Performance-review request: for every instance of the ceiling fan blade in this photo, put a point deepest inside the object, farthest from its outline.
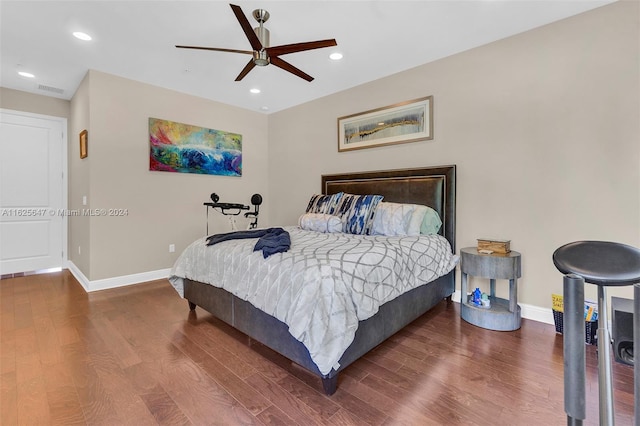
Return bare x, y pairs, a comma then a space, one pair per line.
299, 47
245, 70
249, 52
288, 67
246, 27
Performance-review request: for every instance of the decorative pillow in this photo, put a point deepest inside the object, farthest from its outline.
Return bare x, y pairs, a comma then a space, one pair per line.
424, 220
320, 222
356, 212
392, 219
431, 223
327, 204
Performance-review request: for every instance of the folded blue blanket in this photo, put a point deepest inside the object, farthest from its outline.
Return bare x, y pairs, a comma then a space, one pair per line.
271, 240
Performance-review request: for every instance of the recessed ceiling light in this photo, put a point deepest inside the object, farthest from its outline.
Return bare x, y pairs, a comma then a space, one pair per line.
82, 36
26, 74
335, 56
254, 90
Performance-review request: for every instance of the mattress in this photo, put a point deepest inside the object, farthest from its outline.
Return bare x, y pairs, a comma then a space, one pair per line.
323, 285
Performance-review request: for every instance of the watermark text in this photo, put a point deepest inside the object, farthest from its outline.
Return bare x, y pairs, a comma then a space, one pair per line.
46, 212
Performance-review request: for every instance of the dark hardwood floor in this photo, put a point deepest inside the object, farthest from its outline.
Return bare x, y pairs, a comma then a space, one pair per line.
136, 356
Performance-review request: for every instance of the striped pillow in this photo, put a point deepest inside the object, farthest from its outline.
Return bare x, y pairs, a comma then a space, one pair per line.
325, 204
357, 212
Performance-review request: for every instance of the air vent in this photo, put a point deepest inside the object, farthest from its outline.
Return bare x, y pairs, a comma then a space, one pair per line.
50, 89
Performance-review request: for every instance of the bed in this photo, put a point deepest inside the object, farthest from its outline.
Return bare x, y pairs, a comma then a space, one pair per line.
433, 186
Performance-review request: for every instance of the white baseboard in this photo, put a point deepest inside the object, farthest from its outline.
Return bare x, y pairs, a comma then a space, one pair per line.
114, 282
530, 312
77, 273
536, 313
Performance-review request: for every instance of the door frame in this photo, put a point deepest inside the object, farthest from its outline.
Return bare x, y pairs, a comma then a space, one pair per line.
65, 173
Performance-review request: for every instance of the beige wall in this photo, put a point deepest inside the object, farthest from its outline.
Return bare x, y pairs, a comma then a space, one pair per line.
79, 241
163, 208
37, 104
543, 126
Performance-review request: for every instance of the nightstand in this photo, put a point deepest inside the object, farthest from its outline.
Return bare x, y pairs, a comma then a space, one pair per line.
503, 315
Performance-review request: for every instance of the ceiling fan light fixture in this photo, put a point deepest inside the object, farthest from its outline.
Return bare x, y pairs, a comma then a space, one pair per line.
261, 58
335, 56
254, 90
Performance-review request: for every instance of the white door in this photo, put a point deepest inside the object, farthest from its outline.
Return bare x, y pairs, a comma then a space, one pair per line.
31, 192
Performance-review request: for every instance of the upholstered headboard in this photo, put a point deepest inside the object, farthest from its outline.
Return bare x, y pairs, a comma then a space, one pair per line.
432, 186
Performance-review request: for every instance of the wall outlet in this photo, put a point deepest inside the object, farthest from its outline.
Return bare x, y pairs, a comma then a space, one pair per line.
79, 250
172, 248
84, 200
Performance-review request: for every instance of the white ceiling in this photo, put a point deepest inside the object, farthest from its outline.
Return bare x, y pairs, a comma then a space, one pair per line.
136, 39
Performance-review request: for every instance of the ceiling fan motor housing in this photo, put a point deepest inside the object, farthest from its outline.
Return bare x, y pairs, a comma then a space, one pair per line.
261, 58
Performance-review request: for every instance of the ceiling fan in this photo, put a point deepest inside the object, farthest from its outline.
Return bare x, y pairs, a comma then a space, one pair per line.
262, 53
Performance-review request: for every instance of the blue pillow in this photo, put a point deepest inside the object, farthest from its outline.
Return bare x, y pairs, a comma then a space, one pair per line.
357, 212
325, 204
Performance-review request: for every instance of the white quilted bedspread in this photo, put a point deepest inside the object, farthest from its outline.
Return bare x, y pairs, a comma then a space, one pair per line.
323, 285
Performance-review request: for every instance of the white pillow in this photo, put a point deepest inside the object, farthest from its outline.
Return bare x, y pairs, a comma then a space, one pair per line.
416, 220
320, 222
392, 219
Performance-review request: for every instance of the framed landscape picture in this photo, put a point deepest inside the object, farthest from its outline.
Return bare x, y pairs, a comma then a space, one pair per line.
404, 122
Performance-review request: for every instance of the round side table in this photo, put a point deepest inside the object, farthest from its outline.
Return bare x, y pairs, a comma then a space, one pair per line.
503, 315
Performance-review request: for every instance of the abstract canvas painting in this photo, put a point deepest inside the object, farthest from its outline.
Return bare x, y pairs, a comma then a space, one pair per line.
183, 148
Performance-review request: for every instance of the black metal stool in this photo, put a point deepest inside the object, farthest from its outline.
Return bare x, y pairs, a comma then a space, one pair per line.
604, 264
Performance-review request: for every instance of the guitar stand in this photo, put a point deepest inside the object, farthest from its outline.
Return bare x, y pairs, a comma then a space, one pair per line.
234, 209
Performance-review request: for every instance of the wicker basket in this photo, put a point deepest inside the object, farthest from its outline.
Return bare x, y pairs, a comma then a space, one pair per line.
590, 328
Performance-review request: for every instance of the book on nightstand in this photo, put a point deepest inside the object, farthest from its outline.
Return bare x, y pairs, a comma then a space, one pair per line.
495, 246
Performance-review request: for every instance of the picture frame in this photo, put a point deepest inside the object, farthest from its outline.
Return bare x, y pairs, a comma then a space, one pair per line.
404, 122
83, 143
